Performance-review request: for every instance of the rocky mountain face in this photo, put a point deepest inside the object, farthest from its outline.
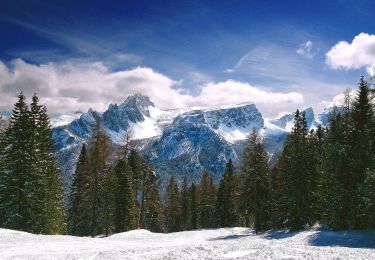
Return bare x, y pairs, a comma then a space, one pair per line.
177, 142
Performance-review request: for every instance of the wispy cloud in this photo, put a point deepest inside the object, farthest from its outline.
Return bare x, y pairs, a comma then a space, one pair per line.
307, 50
84, 47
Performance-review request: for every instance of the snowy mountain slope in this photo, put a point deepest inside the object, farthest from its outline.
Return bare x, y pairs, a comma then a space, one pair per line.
4, 121
224, 243
180, 141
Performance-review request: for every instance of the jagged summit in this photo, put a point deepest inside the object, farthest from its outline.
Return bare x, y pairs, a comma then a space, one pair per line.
137, 100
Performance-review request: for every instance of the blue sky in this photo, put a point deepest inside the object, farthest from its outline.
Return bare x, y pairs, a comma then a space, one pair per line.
194, 47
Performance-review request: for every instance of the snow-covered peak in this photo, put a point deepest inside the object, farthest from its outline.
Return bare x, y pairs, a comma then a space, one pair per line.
137, 102
286, 121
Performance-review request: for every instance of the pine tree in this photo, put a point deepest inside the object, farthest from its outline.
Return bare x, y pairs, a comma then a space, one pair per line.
256, 190
193, 207
154, 218
299, 177
77, 216
362, 138
206, 205
185, 205
97, 156
49, 187
135, 163
17, 172
108, 203
31, 191
172, 206
125, 209
2, 175
335, 167
226, 210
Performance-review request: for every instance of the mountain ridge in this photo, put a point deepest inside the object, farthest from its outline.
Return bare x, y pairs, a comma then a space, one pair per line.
180, 141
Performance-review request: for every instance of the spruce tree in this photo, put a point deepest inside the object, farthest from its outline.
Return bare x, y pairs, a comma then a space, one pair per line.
135, 163
226, 210
336, 172
125, 208
206, 201
98, 153
2, 174
172, 206
17, 171
185, 205
50, 187
362, 139
77, 215
193, 207
299, 177
153, 216
108, 203
256, 190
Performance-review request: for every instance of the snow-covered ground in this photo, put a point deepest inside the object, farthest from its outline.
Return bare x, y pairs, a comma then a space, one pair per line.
225, 243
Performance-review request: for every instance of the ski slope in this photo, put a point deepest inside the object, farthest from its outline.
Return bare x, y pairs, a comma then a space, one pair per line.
225, 243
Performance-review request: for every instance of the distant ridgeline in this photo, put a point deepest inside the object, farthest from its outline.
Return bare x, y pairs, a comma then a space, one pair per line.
179, 142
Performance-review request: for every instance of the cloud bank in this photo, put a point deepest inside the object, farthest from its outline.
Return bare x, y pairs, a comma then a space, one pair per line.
355, 55
73, 86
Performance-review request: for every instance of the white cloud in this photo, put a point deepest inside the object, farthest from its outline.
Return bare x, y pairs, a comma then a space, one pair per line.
355, 55
234, 92
306, 50
76, 86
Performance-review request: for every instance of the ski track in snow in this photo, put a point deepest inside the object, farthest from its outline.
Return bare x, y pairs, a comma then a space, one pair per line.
224, 243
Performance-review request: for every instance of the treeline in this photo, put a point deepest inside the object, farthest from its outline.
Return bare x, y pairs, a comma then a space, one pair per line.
114, 197
325, 175
31, 192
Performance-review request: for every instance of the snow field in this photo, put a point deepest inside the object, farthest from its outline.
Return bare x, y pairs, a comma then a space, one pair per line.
224, 243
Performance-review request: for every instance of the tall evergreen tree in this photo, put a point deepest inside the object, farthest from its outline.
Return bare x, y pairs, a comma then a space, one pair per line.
2, 175
185, 205
77, 215
125, 209
256, 190
206, 201
31, 191
226, 210
153, 216
17, 171
172, 206
108, 203
362, 138
98, 153
49, 187
193, 207
299, 177
136, 165
336, 172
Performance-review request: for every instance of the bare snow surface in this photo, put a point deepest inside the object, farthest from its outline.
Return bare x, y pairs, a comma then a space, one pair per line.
225, 243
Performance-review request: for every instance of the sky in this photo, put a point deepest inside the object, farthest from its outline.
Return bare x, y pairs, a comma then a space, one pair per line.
280, 55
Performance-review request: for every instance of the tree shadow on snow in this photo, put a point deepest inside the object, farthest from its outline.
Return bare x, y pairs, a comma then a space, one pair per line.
230, 237
280, 234
352, 239
234, 236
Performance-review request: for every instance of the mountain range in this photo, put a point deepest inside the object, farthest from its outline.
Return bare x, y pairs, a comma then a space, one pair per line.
178, 141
